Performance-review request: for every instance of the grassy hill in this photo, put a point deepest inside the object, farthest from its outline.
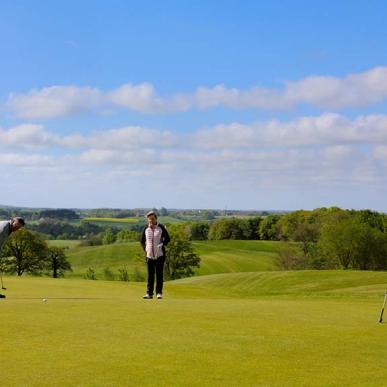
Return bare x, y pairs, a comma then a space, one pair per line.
324, 283
217, 257
208, 331
115, 256
229, 256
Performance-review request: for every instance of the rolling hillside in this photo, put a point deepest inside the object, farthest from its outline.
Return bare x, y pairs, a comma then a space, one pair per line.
217, 257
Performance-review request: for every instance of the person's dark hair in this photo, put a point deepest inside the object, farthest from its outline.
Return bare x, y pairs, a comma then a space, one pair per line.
150, 213
20, 220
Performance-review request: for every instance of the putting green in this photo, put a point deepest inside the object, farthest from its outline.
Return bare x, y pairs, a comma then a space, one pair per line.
97, 333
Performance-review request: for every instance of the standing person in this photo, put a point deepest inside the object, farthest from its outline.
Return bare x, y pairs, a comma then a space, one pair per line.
6, 228
154, 238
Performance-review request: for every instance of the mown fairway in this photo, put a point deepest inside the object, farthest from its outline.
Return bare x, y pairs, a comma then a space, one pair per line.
247, 329
229, 256
217, 257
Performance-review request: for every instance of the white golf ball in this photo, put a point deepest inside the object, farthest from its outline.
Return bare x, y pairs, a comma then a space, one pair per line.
44, 299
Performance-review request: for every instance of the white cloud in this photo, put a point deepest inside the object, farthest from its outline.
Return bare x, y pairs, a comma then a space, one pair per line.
10, 160
140, 98
380, 152
131, 137
55, 101
354, 90
323, 151
327, 129
26, 135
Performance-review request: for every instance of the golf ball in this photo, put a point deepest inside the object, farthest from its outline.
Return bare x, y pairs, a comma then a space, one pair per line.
44, 299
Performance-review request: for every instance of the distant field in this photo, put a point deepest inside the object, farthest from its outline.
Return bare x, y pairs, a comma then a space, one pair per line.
127, 222
113, 220
246, 329
217, 257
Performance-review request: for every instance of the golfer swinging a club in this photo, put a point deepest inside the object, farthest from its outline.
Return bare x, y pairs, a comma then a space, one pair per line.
6, 228
154, 238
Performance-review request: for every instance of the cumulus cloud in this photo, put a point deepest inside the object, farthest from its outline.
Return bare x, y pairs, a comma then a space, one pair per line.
329, 92
326, 129
23, 160
26, 135
100, 174
354, 90
326, 149
55, 101
131, 137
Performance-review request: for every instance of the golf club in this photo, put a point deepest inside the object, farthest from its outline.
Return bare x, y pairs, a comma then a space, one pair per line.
1, 277
384, 304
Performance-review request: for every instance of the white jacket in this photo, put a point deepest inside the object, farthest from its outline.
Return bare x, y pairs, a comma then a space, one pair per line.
153, 245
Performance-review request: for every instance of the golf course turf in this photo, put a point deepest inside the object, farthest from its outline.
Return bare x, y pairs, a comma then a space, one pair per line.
249, 329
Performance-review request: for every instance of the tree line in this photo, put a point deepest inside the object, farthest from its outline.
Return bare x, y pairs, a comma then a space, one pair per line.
27, 252
324, 238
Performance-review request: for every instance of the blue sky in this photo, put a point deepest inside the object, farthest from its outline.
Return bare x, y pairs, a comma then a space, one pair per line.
245, 105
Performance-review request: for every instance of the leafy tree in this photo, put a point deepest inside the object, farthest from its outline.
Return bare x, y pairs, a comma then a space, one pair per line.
58, 261
308, 235
225, 229
127, 235
250, 227
108, 237
372, 218
291, 257
27, 253
348, 242
59, 214
199, 231
268, 229
181, 258
289, 223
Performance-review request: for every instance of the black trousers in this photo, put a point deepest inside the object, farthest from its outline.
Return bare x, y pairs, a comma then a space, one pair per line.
155, 266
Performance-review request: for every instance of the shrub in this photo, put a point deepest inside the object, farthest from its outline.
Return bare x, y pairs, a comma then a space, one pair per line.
90, 274
123, 274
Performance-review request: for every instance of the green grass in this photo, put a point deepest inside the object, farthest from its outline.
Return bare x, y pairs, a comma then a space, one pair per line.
216, 257
228, 256
115, 256
304, 283
220, 330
